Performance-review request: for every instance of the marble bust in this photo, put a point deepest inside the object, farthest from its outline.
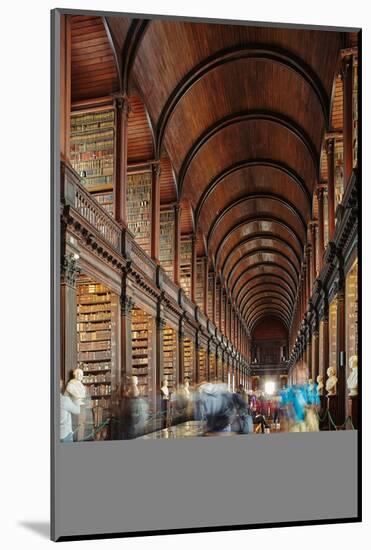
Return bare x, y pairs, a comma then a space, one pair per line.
75, 388
320, 385
352, 381
133, 390
331, 381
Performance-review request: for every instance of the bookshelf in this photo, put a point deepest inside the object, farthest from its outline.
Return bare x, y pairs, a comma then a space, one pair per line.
210, 296
185, 265
225, 372
212, 367
200, 277
339, 172
355, 112
222, 305
95, 341
138, 197
217, 305
351, 311
92, 142
202, 374
167, 228
141, 341
219, 366
170, 357
188, 360
333, 334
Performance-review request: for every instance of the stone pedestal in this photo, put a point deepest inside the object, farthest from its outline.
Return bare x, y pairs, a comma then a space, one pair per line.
353, 411
333, 409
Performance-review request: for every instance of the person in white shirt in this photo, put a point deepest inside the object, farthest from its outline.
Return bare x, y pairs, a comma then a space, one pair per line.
68, 408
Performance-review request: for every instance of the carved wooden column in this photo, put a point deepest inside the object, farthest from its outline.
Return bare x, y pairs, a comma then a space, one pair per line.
309, 272
155, 225
127, 304
68, 322
315, 355
65, 86
214, 297
159, 341
206, 285
181, 351
197, 361
220, 305
193, 269
346, 76
177, 227
321, 227
330, 151
341, 368
314, 252
122, 114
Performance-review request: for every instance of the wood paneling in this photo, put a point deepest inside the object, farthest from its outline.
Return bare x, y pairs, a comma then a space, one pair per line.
94, 71
167, 182
140, 142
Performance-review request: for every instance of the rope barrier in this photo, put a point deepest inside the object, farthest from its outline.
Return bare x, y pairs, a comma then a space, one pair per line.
331, 421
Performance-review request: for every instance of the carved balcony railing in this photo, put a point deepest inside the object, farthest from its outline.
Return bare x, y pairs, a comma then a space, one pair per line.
75, 195
142, 260
170, 288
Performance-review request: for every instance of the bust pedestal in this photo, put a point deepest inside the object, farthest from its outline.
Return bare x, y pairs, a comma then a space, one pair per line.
333, 409
353, 411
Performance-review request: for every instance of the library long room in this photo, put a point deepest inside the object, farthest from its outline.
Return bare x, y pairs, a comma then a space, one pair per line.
209, 229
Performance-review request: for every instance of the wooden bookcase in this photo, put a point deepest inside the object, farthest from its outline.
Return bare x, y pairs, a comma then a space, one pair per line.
170, 357
333, 334
138, 197
185, 265
212, 367
92, 153
217, 306
202, 374
95, 341
167, 228
189, 360
210, 296
141, 338
200, 278
219, 368
351, 312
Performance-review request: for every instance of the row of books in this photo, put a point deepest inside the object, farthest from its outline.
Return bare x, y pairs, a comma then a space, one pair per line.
97, 378
96, 345
94, 308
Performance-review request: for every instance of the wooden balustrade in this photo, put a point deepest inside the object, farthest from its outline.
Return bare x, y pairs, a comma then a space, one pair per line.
75, 195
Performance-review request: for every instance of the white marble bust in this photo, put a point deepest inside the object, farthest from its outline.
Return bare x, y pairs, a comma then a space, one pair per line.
331, 381
133, 390
352, 381
320, 385
75, 388
165, 390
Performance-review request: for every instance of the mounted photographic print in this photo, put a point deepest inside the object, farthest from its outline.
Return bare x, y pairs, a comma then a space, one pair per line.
206, 274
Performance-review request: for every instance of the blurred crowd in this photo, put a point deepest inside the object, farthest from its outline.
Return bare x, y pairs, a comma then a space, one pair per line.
218, 409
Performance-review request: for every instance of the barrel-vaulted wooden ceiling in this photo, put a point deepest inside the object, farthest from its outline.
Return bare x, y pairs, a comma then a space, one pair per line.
237, 116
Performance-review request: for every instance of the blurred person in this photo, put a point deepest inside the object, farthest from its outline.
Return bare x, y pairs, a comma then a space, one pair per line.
243, 421
297, 409
133, 412
67, 409
312, 406
244, 394
216, 406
